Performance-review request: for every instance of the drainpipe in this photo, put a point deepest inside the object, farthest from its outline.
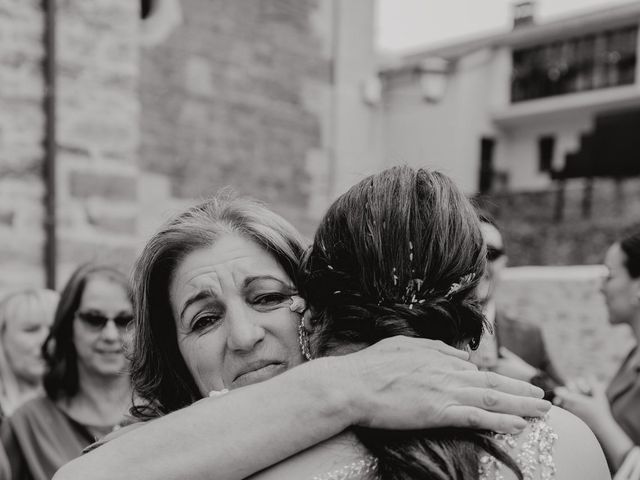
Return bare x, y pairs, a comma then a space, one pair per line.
49, 164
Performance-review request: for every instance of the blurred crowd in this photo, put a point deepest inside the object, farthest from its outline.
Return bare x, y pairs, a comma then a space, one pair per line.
65, 360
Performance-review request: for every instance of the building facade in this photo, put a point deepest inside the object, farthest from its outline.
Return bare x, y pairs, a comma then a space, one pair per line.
113, 114
517, 110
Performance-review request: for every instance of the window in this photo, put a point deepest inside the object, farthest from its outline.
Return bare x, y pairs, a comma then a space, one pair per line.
602, 60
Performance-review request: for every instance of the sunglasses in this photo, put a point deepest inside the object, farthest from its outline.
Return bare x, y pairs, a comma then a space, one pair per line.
97, 320
494, 253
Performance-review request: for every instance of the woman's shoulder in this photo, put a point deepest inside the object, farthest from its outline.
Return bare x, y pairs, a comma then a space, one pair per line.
559, 446
40, 407
578, 453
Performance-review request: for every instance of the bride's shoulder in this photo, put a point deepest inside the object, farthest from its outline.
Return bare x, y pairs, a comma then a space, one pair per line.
559, 446
578, 453
342, 456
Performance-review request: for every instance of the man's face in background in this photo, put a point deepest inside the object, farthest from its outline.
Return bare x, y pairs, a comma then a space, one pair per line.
496, 261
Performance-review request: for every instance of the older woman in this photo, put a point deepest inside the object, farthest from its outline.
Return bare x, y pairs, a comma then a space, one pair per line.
613, 413
213, 292
87, 384
25, 319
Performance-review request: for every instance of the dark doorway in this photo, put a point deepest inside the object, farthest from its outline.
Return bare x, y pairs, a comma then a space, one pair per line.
487, 169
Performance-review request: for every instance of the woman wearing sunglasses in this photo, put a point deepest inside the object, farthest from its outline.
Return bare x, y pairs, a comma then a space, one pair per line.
87, 383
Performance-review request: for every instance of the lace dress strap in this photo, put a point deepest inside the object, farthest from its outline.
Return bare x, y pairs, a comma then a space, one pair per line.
532, 451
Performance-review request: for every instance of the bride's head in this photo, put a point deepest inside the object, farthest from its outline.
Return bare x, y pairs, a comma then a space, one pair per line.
399, 253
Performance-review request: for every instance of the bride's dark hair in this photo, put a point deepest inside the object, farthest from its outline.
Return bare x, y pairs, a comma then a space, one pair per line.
400, 253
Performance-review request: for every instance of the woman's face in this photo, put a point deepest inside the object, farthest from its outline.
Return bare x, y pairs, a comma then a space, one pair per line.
101, 328
230, 302
22, 342
621, 292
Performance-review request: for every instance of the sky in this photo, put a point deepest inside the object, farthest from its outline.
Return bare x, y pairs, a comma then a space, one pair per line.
407, 24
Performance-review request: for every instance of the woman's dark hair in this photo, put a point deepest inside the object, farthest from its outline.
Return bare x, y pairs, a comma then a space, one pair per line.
58, 350
159, 373
630, 245
401, 253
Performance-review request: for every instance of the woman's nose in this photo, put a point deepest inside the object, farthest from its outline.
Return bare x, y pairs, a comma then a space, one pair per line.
243, 329
110, 331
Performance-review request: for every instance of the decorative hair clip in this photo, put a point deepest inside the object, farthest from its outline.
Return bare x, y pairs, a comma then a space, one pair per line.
298, 304
460, 284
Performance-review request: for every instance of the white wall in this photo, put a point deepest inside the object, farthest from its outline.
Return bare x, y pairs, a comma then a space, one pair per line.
444, 135
518, 148
356, 129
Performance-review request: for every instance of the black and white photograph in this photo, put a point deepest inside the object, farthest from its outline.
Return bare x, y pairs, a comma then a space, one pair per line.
319, 240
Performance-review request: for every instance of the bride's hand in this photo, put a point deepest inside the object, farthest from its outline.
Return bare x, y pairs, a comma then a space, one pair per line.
409, 383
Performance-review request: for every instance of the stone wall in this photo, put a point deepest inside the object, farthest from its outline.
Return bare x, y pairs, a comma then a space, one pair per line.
21, 136
534, 237
566, 303
234, 93
97, 124
234, 96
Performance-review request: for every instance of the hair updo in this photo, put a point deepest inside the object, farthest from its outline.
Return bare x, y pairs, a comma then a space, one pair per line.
386, 256
401, 253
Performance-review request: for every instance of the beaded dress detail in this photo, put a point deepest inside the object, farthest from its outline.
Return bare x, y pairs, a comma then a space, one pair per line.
533, 453
358, 470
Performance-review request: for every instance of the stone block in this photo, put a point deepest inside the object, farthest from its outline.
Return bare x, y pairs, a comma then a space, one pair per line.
113, 223
90, 183
75, 250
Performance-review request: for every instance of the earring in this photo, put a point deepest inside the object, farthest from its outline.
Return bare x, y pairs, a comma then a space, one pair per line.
303, 340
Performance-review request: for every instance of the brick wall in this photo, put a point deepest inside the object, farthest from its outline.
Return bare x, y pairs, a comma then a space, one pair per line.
234, 96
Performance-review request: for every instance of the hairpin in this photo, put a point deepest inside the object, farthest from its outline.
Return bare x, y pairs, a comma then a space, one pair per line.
298, 304
460, 284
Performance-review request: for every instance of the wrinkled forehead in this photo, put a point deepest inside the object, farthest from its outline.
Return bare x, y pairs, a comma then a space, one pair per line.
491, 235
230, 254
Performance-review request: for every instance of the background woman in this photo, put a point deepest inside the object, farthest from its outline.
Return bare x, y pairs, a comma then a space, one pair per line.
25, 319
213, 293
613, 413
87, 384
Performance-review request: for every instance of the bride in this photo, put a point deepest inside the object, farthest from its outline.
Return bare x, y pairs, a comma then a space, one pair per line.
400, 254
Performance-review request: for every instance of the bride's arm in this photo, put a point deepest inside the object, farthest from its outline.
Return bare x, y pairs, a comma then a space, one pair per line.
397, 383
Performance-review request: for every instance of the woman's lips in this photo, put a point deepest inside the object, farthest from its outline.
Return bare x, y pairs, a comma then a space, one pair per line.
259, 374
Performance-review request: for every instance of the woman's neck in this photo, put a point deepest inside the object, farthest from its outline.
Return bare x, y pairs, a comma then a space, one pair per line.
101, 400
15, 393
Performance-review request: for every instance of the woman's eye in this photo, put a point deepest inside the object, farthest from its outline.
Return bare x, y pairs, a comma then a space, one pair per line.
269, 299
203, 322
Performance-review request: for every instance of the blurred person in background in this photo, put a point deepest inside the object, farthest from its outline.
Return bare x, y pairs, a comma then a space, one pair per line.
512, 348
613, 412
25, 319
87, 386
